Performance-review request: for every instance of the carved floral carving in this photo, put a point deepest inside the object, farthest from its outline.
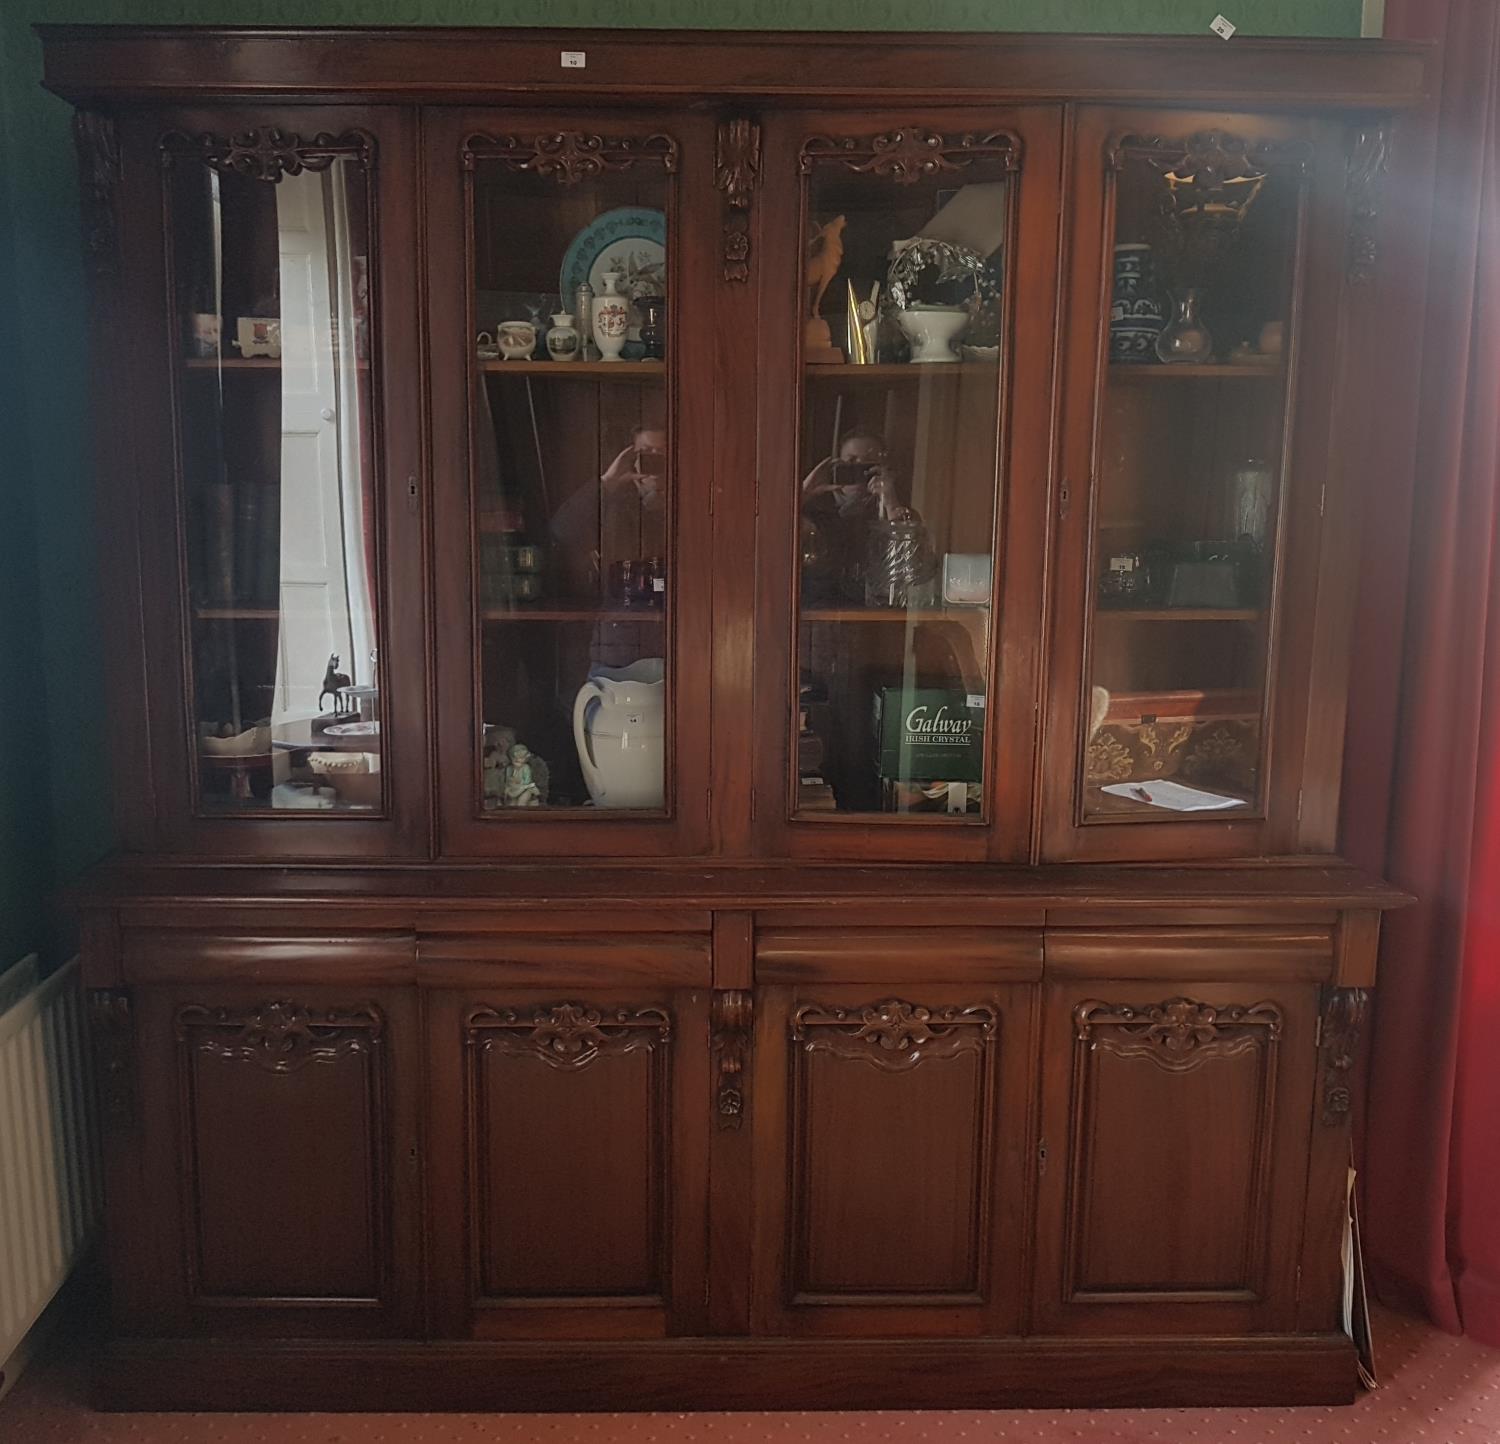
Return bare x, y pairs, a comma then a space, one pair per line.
269, 154
98, 148
566, 1035
733, 1016
736, 172
1369, 158
571, 156
893, 1035
913, 152
1339, 1029
113, 1032
280, 1036
1179, 1033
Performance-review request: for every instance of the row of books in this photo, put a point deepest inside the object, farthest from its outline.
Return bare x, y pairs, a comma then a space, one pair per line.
241, 545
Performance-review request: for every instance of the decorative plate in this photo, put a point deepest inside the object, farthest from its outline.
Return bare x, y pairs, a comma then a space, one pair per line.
630, 239
353, 729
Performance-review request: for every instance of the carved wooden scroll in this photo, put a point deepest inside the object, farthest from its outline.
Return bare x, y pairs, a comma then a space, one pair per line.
1178, 1034
268, 154
913, 152
566, 1035
733, 1017
736, 172
1210, 159
1369, 158
570, 156
280, 1036
1339, 1027
113, 1032
98, 148
893, 1035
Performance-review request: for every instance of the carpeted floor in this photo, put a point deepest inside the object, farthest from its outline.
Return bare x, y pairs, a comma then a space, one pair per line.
1436, 1390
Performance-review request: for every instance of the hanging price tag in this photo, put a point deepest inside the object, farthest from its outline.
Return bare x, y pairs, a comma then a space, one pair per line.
1221, 27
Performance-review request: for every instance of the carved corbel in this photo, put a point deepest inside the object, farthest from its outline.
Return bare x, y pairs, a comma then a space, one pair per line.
736, 171
98, 148
1339, 1027
1369, 158
112, 1029
733, 1017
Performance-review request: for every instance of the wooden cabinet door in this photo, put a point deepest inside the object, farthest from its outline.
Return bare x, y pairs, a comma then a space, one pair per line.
567, 1139
267, 1162
890, 1129
1175, 1127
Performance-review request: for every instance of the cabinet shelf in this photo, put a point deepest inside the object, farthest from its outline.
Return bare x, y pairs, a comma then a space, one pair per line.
572, 614
1192, 371
904, 371
628, 371
238, 614
893, 614
1178, 614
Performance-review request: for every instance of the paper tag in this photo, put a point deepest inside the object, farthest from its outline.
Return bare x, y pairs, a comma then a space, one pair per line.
974, 699
578, 59
1221, 27
658, 584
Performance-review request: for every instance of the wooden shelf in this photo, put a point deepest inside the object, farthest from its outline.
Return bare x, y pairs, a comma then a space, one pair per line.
1192, 371
1178, 614
238, 614
893, 614
579, 370
249, 363
524, 613
904, 371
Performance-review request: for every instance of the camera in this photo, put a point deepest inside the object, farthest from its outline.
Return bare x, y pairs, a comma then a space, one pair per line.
853, 473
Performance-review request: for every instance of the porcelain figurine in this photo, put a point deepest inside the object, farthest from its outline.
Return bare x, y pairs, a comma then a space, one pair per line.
522, 788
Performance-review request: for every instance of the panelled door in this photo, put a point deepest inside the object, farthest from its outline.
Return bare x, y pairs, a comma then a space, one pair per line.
567, 1137
890, 1134
1175, 1123
269, 1134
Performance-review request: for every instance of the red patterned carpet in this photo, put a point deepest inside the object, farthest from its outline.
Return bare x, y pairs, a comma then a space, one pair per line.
1436, 1390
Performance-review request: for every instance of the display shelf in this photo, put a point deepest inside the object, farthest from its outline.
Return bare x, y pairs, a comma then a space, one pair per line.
238, 614
893, 614
1193, 371
1178, 614
903, 371
579, 370
572, 614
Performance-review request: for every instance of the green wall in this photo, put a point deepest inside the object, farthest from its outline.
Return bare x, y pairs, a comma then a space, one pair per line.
54, 816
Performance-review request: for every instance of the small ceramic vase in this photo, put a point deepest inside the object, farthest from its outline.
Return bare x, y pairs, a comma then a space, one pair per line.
1185, 337
563, 341
611, 315
1135, 318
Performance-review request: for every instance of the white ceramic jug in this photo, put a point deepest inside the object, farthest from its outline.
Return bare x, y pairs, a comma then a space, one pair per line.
618, 728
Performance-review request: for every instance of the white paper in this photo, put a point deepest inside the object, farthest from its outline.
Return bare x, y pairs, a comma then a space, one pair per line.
1221, 27
1173, 796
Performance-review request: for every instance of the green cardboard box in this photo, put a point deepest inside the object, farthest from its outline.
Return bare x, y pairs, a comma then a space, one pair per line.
929, 734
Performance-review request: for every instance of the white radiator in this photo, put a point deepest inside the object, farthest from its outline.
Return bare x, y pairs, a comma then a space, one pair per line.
49, 1169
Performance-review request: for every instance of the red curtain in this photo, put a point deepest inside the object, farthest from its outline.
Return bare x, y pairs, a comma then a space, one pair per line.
1432, 728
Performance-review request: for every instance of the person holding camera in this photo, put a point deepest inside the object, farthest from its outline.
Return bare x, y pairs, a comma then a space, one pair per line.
842, 496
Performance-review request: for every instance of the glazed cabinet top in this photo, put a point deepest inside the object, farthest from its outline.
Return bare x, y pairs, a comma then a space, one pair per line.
639, 446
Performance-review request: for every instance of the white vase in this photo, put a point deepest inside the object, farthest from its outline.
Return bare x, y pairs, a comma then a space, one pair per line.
931, 331
611, 317
618, 728
563, 343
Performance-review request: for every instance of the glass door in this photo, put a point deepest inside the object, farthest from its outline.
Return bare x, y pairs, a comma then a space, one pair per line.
900, 498
568, 326
1176, 558
297, 597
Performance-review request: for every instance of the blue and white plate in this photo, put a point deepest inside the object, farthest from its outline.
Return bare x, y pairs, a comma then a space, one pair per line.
631, 240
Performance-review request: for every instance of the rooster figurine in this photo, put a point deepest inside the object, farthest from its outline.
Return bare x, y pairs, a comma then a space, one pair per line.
825, 254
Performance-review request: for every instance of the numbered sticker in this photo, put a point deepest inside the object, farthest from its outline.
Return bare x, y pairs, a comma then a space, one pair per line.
1221, 27
578, 59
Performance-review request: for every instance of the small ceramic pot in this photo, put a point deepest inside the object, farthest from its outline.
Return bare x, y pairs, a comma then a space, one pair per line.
931, 330
517, 340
